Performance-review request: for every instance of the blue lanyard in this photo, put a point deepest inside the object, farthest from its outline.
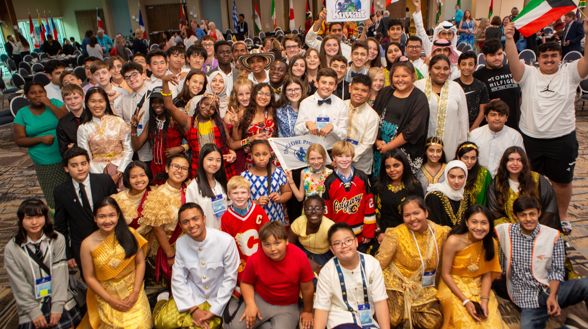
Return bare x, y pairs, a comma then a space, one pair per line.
344, 290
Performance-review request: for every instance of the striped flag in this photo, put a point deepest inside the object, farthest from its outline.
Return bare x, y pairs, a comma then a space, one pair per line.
142, 25
99, 21
373, 9
54, 28
537, 14
41, 28
33, 32
292, 24
439, 6
47, 29
274, 14
258, 27
235, 16
491, 9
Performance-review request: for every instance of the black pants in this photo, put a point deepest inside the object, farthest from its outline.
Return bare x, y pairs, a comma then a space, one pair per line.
293, 206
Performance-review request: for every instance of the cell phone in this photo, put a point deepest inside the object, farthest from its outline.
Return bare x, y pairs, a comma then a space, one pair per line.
479, 310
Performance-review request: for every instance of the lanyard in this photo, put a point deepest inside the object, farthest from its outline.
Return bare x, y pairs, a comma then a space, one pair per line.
50, 260
419, 249
344, 290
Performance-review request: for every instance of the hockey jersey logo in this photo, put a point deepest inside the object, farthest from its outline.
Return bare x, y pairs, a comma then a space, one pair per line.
248, 242
350, 206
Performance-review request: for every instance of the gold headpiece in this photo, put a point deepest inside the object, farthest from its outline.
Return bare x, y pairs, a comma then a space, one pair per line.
468, 145
435, 141
211, 96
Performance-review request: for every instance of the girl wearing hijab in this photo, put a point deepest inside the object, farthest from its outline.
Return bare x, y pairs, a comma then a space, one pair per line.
218, 86
448, 118
447, 201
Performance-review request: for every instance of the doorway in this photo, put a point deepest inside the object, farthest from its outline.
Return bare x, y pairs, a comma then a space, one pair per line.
162, 18
87, 20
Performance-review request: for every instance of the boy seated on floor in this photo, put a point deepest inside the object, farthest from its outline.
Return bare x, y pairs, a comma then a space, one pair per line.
271, 283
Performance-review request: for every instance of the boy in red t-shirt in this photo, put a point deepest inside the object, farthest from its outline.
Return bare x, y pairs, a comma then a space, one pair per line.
243, 220
271, 284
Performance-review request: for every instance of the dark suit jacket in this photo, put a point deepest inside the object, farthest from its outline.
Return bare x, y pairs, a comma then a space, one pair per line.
383, 27
71, 219
8, 47
574, 36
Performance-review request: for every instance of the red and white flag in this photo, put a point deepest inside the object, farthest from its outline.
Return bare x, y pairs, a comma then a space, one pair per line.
99, 21
33, 32
292, 25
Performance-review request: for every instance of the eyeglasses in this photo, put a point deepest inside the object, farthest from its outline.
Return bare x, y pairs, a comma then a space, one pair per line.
133, 75
293, 90
413, 47
176, 167
260, 93
207, 44
291, 47
313, 209
340, 244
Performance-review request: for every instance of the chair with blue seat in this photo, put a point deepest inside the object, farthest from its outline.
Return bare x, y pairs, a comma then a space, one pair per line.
6, 91
36, 56
154, 47
481, 60
37, 67
80, 59
43, 56
23, 72
17, 103
527, 56
4, 58
257, 41
42, 79
11, 66
572, 56
262, 35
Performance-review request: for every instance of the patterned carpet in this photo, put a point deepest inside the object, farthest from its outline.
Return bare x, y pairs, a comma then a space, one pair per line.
18, 182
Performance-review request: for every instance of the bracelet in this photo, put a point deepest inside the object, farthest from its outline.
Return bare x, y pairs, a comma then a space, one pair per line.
133, 135
172, 257
135, 125
162, 94
465, 302
186, 147
192, 313
245, 142
485, 297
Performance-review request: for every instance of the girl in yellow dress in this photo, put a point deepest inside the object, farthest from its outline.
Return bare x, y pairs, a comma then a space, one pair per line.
409, 257
113, 259
470, 264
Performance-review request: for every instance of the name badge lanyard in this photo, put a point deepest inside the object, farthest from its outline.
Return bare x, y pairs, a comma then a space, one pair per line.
344, 289
44, 282
421, 256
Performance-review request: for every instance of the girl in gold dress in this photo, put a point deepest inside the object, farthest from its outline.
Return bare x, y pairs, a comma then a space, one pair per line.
470, 264
409, 256
113, 259
160, 211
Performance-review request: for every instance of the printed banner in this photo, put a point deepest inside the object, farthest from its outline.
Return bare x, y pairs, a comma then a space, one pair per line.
291, 151
347, 10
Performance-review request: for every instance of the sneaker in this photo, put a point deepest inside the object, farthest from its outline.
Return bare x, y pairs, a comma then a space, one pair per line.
163, 296
574, 322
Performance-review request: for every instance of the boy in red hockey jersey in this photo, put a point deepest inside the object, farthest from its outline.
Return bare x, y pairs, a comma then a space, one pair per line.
348, 196
243, 220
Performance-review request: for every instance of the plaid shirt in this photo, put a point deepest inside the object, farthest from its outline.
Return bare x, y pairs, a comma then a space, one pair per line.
220, 141
525, 288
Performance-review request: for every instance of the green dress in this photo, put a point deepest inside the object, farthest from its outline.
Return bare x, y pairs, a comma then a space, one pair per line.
478, 191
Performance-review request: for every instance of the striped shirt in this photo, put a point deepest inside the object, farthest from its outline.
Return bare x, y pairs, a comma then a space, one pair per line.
525, 288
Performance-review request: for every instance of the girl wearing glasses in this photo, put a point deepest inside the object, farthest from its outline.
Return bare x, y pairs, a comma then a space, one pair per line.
160, 211
105, 136
411, 252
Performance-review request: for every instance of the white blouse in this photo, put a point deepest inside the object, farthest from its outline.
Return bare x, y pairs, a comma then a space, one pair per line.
193, 195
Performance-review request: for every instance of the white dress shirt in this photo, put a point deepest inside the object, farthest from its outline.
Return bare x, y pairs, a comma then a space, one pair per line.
329, 296
193, 195
251, 77
205, 271
126, 108
493, 144
362, 133
336, 112
53, 91
88, 189
313, 43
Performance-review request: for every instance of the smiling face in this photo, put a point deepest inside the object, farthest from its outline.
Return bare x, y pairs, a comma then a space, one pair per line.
315, 160
193, 223
274, 248
340, 68
415, 218
312, 59
157, 105
392, 53
331, 47
467, 66
514, 164
115, 69
373, 50
261, 155
97, 105
264, 97
402, 80
106, 219
413, 50
196, 61
359, 56
549, 61
135, 80
209, 46
394, 32
207, 108
73, 101
292, 48
212, 162
244, 96
434, 153
238, 50
456, 178
343, 161
326, 86
33, 224
470, 159
178, 170
394, 169
344, 245
478, 226
69, 79
314, 211
176, 61
138, 179
158, 66
298, 68
440, 72
378, 81
359, 93
195, 84
257, 64
293, 92
54, 76
528, 219
35, 94
239, 197
78, 168
277, 72
217, 85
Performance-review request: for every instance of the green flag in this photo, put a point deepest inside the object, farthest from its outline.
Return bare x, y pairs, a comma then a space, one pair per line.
439, 5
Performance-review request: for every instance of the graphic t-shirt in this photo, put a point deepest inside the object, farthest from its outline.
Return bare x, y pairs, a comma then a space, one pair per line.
501, 85
476, 93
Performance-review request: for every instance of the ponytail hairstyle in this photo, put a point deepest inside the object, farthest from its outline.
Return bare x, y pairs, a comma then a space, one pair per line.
220, 175
33, 207
462, 149
462, 227
121, 230
269, 163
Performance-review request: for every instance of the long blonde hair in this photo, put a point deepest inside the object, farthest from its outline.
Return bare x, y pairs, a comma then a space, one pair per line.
482, 25
318, 148
233, 100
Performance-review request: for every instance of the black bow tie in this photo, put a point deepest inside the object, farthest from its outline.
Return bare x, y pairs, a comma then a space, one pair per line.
354, 73
327, 101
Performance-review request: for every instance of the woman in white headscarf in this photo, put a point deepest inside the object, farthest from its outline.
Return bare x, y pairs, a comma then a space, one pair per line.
447, 201
218, 86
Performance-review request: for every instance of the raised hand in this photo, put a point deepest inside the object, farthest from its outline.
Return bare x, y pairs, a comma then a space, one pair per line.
509, 31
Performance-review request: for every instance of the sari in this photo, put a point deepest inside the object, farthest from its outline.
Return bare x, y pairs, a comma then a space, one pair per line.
455, 314
478, 191
401, 265
117, 275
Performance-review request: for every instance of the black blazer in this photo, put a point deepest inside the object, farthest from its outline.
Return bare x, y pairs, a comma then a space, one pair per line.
71, 219
574, 36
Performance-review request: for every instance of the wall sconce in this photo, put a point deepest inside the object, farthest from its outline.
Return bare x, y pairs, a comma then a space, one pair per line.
133, 17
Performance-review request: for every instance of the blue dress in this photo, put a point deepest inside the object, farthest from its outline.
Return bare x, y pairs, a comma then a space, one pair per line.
464, 37
274, 211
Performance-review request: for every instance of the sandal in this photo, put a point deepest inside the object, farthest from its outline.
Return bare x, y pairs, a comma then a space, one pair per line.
566, 226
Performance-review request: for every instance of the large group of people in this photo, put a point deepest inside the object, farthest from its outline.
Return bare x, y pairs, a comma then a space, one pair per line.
159, 170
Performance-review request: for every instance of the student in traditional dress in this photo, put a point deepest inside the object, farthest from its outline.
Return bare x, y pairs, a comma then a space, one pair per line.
515, 178
162, 133
113, 259
479, 178
470, 264
238, 102
105, 136
394, 183
209, 187
413, 260
448, 106
447, 201
36, 240
404, 116
160, 211
433, 167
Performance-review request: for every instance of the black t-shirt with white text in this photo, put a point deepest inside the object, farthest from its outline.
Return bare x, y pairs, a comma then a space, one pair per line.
501, 85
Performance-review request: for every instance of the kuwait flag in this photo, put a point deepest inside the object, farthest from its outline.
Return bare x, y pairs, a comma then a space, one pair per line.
258, 27
491, 9
537, 14
292, 25
439, 6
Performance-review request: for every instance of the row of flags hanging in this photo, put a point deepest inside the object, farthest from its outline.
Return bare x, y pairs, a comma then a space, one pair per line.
258, 27
44, 29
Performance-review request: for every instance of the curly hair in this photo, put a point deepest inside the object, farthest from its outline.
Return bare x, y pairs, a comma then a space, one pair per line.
218, 121
249, 112
527, 185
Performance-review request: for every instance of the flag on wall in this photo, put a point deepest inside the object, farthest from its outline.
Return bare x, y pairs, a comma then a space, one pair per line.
373, 9
33, 32
235, 16
47, 29
439, 6
537, 14
54, 28
258, 27
491, 10
41, 28
142, 25
292, 24
273, 12
99, 21
459, 3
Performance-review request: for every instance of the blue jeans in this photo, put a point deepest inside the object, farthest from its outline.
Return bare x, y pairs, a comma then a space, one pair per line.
570, 293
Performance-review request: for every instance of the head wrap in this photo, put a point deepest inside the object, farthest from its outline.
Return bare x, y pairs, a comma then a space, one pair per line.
442, 44
223, 100
445, 188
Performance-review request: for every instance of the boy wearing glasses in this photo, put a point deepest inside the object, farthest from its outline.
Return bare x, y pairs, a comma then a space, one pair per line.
359, 56
271, 285
340, 300
293, 45
211, 62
